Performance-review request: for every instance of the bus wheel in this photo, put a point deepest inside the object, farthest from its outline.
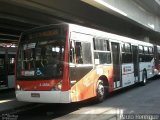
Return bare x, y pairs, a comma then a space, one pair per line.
100, 90
144, 78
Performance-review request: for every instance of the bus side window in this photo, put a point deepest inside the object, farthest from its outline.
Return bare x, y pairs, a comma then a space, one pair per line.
72, 52
83, 53
102, 54
126, 53
141, 53
75, 52
80, 52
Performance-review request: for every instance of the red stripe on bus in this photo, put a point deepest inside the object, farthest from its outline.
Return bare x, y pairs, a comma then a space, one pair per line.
65, 81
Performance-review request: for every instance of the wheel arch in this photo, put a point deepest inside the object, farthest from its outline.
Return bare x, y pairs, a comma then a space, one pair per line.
144, 80
144, 71
101, 88
104, 79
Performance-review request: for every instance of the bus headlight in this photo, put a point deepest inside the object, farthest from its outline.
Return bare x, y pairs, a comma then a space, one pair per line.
18, 87
57, 87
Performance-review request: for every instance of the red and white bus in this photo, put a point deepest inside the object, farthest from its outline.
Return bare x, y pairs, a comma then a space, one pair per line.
66, 63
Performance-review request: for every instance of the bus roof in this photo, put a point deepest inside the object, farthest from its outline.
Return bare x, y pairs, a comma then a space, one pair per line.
98, 33
94, 33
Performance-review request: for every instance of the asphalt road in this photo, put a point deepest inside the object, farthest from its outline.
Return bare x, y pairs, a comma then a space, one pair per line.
137, 102
7, 94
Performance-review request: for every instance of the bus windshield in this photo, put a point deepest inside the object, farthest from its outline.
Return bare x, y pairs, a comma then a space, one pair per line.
40, 58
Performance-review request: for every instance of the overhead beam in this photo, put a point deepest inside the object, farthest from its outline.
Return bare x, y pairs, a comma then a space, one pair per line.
9, 31
3, 26
9, 41
9, 35
9, 9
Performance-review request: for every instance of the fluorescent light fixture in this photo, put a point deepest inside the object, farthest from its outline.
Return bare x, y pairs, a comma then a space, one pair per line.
110, 7
13, 46
57, 49
151, 25
53, 49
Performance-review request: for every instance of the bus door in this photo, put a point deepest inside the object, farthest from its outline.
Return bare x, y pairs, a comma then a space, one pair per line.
82, 59
116, 64
3, 76
80, 56
80, 67
135, 62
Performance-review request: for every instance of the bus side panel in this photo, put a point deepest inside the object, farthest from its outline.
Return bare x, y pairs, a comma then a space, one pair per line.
149, 67
109, 73
128, 75
85, 88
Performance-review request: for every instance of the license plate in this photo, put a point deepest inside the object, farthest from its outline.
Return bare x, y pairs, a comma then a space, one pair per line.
35, 95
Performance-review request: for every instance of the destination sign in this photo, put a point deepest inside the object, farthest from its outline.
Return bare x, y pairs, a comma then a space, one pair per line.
42, 34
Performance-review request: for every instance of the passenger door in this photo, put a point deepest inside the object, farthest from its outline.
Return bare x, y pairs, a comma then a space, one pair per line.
135, 62
81, 65
116, 64
80, 55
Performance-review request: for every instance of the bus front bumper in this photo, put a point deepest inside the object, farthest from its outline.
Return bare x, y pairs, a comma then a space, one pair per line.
44, 96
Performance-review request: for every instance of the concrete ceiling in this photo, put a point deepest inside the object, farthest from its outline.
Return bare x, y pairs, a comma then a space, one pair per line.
17, 16
153, 6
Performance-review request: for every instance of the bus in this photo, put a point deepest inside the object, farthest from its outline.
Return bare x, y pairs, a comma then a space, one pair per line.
66, 63
7, 61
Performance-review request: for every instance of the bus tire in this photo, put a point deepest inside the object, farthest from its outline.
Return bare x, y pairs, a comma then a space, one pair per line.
144, 78
100, 91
